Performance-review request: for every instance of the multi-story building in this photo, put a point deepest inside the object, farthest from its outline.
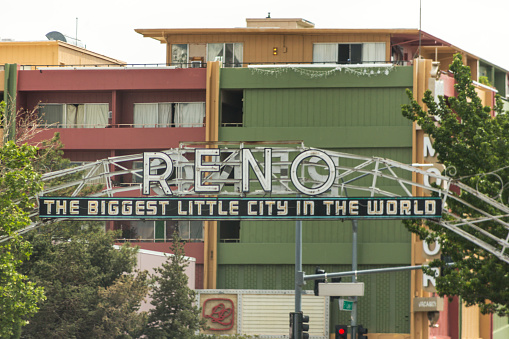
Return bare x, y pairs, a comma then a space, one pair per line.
115, 112
336, 89
51, 53
110, 111
281, 80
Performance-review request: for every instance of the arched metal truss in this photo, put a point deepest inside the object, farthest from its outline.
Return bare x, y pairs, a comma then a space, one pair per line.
355, 176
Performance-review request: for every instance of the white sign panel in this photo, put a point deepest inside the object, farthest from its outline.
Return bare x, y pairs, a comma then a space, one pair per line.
341, 289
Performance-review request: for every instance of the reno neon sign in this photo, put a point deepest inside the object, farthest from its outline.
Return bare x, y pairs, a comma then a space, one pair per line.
248, 162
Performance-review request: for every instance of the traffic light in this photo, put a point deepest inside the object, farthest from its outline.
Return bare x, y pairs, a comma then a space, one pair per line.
336, 280
341, 331
362, 332
317, 281
293, 319
304, 325
299, 326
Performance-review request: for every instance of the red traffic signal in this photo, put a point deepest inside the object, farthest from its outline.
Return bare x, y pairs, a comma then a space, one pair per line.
341, 331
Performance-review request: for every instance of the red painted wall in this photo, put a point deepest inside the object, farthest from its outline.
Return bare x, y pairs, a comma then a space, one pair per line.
135, 139
32, 99
121, 89
103, 79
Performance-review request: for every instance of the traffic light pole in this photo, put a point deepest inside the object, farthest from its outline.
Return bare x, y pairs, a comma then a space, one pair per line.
299, 281
299, 275
354, 279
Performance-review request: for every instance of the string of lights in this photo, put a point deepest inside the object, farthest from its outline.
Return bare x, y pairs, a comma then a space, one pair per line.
359, 70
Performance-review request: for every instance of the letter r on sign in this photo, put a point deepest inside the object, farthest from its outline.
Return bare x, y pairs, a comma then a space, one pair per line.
160, 178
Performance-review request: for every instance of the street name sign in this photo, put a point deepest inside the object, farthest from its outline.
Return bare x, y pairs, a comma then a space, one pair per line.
341, 289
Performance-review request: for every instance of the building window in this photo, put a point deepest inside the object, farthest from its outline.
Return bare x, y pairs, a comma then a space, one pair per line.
74, 115
229, 231
231, 54
179, 55
362, 53
190, 230
161, 230
232, 108
349, 53
164, 114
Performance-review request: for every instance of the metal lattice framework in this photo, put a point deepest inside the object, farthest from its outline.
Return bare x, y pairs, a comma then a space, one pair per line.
355, 176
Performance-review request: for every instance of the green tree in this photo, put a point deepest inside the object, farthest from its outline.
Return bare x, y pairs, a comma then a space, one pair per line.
18, 183
91, 288
174, 314
119, 308
83, 276
476, 145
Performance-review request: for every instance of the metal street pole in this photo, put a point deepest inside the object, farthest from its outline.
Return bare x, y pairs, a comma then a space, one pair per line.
299, 276
354, 279
298, 266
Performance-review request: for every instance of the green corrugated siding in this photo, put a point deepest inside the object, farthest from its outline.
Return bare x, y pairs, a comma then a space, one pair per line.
324, 117
385, 307
324, 107
235, 78
323, 231
339, 112
380, 253
324, 137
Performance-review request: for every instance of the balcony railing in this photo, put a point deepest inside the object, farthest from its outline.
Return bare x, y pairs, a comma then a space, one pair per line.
151, 240
204, 65
172, 125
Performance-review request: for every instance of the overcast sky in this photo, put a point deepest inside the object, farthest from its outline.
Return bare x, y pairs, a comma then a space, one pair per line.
107, 26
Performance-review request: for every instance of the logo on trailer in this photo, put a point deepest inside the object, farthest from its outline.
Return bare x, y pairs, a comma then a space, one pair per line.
219, 313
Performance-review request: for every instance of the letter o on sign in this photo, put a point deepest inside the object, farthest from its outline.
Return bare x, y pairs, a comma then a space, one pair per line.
428, 251
315, 190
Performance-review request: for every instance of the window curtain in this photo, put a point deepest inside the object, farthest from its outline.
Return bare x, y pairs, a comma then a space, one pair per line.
238, 54
75, 116
164, 114
196, 230
191, 114
191, 230
145, 115
179, 55
184, 230
228, 55
373, 52
96, 115
143, 230
213, 51
172, 226
325, 53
